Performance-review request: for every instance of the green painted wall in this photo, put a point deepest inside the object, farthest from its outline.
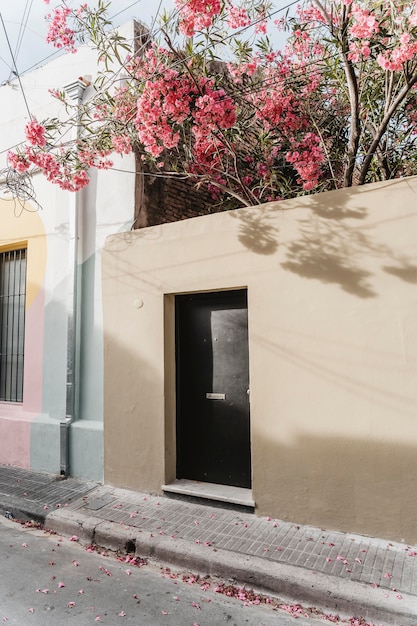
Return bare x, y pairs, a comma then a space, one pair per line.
86, 432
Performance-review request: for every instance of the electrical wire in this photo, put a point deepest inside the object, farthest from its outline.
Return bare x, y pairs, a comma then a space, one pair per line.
267, 82
22, 28
15, 67
20, 187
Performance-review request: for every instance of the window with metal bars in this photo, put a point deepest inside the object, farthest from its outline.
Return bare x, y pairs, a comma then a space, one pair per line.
12, 323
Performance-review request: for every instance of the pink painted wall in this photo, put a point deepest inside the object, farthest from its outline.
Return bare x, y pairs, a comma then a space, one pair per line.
14, 438
34, 333
15, 419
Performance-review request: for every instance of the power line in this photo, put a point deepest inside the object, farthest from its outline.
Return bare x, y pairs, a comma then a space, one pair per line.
22, 28
15, 67
252, 87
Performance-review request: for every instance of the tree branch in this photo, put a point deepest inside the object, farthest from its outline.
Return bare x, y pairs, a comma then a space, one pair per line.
383, 127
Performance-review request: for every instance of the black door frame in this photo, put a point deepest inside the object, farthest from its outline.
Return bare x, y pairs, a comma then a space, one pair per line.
212, 297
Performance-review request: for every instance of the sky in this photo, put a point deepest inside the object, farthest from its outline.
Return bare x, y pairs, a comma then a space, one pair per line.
23, 28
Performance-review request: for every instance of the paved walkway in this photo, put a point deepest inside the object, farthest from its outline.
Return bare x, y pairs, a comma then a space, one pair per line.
338, 572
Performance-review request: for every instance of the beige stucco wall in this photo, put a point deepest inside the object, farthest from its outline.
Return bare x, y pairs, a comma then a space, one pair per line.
332, 300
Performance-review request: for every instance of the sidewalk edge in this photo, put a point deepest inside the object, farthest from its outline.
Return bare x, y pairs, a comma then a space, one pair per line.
290, 583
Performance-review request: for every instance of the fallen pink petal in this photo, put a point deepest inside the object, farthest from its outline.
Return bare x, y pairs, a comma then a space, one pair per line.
74, 538
61, 584
71, 605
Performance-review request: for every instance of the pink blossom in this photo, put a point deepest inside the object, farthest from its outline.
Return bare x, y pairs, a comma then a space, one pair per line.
59, 33
365, 24
238, 17
35, 133
18, 162
196, 14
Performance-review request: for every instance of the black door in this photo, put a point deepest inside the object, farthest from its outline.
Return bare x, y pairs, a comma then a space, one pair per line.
213, 428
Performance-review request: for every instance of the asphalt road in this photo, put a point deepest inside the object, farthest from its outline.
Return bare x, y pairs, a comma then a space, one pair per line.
46, 580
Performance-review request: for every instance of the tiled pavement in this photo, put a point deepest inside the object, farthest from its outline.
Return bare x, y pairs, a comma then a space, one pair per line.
384, 564
388, 569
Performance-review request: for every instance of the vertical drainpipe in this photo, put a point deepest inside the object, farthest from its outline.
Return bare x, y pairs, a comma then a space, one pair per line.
75, 91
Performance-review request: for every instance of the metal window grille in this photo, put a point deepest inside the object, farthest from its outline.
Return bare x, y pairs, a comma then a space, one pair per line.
12, 323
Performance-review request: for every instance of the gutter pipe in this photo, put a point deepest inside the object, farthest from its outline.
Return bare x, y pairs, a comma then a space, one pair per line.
75, 91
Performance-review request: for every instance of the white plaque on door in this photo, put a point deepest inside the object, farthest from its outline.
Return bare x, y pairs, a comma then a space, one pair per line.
216, 396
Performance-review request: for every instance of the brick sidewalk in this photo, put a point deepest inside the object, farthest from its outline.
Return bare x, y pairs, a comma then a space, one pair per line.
383, 564
383, 572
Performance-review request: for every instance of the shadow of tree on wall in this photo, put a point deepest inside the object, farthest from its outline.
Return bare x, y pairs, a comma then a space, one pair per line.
327, 248
407, 272
258, 231
330, 242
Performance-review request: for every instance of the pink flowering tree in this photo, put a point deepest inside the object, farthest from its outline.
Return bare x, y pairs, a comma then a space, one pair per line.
366, 53
210, 98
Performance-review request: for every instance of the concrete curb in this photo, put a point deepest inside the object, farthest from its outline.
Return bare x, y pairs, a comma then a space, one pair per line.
21, 509
290, 583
